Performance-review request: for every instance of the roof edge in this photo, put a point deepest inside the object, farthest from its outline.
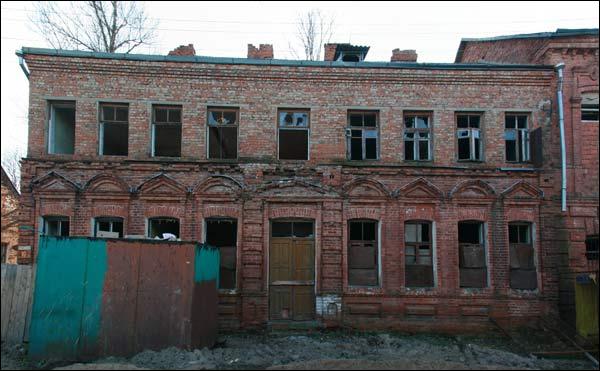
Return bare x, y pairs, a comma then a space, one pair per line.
276, 62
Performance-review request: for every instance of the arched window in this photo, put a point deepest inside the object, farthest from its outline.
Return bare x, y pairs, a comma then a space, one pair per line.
418, 254
363, 254
109, 227
472, 260
158, 227
56, 226
523, 274
222, 233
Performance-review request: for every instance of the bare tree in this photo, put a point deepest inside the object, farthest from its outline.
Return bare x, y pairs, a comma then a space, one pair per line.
11, 162
314, 31
100, 26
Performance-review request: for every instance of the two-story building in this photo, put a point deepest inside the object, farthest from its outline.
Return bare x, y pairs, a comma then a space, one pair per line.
381, 194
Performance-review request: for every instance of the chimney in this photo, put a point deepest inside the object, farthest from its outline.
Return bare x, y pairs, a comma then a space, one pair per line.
184, 50
264, 51
404, 55
329, 52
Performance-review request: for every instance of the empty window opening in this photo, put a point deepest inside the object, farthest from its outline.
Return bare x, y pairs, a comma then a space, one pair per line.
591, 247
589, 107
522, 267
363, 265
351, 58
293, 134
472, 261
61, 138
222, 133
56, 226
166, 131
418, 254
108, 227
297, 229
516, 138
469, 137
363, 135
417, 137
114, 129
157, 227
222, 233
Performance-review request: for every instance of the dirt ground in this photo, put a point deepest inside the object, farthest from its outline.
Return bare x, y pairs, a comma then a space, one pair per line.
334, 350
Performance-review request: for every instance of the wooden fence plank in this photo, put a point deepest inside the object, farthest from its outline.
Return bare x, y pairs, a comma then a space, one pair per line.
29, 304
19, 309
9, 273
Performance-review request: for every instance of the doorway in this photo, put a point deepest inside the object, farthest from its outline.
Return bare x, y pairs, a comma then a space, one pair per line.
292, 270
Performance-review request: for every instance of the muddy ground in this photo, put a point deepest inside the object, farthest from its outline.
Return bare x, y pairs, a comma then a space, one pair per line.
335, 350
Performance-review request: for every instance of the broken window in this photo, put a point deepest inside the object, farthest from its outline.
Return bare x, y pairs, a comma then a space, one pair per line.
363, 135
222, 133
522, 267
166, 131
418, 254
516, 137
56, 226
159, 226
589, 107
108, 227
222, 233
61, 133
114, 129
293, 134
472, 262
469, 137
591, 247
417, 135
362, 253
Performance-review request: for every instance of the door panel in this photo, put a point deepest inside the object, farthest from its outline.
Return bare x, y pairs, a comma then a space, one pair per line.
291, 278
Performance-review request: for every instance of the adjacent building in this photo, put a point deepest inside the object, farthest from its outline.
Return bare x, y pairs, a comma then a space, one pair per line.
10, 219
372, 194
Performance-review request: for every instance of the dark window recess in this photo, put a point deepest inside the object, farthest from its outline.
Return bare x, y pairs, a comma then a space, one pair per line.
222, 133
158, 226
363, 135
108, 227
61, 133
56, 226
523, 274
296, 229
166, 131
222, 233
591, 247
589, 107
114, 129
293, 129
4, 252
362, 253
469, 137
418, 254
537, 155
516, 138
473, 270
417, 136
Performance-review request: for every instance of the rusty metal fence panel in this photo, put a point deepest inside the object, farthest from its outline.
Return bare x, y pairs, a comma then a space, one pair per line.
123, 296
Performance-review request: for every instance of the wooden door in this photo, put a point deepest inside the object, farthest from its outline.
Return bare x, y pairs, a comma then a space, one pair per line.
292, 278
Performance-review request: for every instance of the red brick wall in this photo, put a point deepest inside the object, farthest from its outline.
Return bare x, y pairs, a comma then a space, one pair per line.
326, 188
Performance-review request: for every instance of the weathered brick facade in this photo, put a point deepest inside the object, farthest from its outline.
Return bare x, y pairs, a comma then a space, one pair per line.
10, 226
328, 189
578, 50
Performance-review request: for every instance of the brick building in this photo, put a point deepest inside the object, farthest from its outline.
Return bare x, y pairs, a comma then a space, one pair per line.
381, 194
10, 226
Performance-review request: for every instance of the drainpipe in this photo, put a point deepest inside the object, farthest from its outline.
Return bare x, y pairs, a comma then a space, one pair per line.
22, 65
561, 123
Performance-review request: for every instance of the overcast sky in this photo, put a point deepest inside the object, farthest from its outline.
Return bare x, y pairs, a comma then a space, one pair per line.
225, 28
